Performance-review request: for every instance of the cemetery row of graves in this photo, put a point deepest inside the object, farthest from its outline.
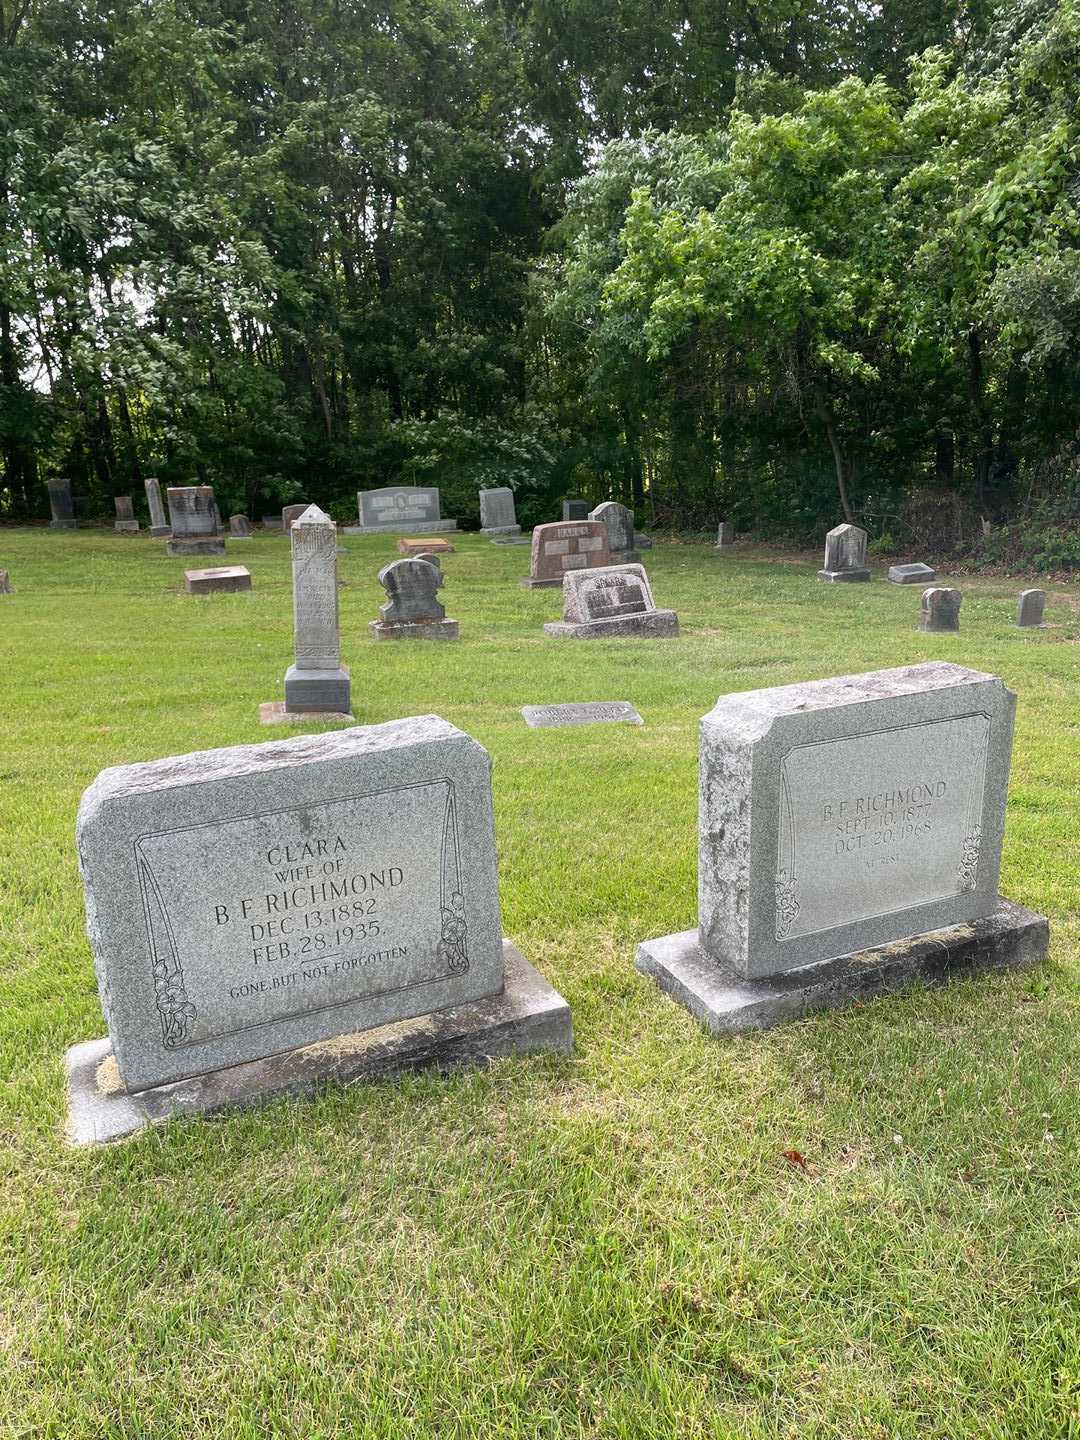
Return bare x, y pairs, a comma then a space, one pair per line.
851, 832
475, 865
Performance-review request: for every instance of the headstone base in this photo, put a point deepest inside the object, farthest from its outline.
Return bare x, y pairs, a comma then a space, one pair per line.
415, 630
317, 690
653, 625
126, 527
160, 532
502, 530
726, 1003
839, 577
528, 1016
273, 712
406, 527
530, 584
224, 580
195, 547
63, 524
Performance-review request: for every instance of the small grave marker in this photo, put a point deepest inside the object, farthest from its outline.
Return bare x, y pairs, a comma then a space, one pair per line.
194, 517
911, 574
939, 609
586, 712
845, 555
613, 601
225, 579
412, 610
1030, 608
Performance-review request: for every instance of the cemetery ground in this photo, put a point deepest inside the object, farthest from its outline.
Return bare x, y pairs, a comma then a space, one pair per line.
863, 1224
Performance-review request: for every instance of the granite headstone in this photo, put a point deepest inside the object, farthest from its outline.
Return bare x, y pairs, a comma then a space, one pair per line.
837, 819
613, 601
575, 509
125, 522
582, 712
194, 519
412, 610
845, 555
399, 509
619, 523
5, 583
939, 609
316, 682
239, 527
159, 525
61, 505
1030, 608
497, 512
563, 546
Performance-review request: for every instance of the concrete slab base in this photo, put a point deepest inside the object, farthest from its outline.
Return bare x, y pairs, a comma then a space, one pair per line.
528, 1016
325, 690
195, 547
273, 712
410, 527
653, 625
160, 532
502, 530
726, 1003
416, 630
843, 577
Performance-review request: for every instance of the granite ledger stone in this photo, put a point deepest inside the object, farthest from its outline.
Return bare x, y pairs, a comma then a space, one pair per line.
619, 523
1030, 608
246, 901
836, 818
939, 609
61, 505
194, 518
615, 600
430, 545
845, 555
412, 610
125, 522
159, 525
316, 681
497, 512
399, 509
225, 579
581, 712
563, 546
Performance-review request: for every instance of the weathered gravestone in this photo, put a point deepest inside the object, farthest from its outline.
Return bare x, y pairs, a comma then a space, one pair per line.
194, 518
159, 525
614, 601
497, 512
412, 610
316, 683
290, 514
939, 609
224, 580
619, 523
911, 574
845, 555
244, 902
563, 546
125, 522
5, 583
850, 838
426, 546
585, 712
575, 509
725, 535
399, 509
239, 527
1029, 610
431, 556
61, 505
271, 522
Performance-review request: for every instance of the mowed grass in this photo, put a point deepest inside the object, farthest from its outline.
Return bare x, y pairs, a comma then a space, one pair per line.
609, 1245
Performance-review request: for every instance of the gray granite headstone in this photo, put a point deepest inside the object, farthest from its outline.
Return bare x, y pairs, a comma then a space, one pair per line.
619, 523
5, 583
61, 505
290, 514
159, 525
837, 817
497, 513
412, 610
585, 712
399, 509
244, 901
940, 609
725, 534
316, 681
239, 527
1029, 610
612, 601
911, 574
845, 555
194, 518
125, 522
575, 509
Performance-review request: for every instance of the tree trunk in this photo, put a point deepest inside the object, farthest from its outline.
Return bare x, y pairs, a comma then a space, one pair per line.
839, 461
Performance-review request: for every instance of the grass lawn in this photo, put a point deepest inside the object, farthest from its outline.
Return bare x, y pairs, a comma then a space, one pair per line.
611, 1245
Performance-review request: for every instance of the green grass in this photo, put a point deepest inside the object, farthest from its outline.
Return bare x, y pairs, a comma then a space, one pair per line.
610, 1245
